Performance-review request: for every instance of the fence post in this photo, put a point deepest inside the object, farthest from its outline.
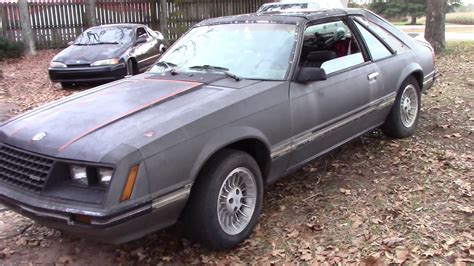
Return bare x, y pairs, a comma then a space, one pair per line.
26, 31
91, 19
154, 15
2, 18
164, 19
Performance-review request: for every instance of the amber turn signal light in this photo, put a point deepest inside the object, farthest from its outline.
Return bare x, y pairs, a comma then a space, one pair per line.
128, 189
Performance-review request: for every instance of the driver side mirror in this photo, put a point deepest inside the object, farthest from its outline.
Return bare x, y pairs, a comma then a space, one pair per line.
310, 74
141, 39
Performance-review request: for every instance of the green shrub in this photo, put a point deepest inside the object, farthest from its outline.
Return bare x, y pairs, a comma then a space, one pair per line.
9, 49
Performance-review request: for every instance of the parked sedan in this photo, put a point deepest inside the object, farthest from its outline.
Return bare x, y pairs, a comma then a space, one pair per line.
198, 136
107, 53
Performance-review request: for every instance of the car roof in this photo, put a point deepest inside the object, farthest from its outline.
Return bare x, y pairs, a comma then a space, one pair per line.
121, 25
286, 16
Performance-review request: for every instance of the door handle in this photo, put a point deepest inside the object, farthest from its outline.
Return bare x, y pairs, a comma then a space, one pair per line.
373, 76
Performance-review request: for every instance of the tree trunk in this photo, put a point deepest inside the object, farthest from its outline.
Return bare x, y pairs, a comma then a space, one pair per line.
164, 19
413, 20
90, 17
26, 30
435, 24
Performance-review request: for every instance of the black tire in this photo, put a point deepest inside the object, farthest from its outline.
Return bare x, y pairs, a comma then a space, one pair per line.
201, 215
131, 68
394, 126
67, 85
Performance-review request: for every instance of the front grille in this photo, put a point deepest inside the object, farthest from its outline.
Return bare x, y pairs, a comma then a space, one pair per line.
78, 65
23, 169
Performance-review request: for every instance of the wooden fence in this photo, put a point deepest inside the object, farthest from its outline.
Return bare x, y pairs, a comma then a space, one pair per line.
55, 23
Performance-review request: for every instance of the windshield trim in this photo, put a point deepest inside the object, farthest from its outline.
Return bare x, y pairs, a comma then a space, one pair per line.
292, 58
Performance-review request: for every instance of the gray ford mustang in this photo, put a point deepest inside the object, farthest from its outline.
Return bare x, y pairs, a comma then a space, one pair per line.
236, 103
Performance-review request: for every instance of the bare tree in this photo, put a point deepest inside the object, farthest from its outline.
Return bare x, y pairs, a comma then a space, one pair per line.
435, 29
26, 30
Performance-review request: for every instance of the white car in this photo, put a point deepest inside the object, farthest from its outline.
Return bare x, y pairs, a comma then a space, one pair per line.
291, 5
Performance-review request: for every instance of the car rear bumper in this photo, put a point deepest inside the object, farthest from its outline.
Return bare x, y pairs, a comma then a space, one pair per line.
116, 228
88, 74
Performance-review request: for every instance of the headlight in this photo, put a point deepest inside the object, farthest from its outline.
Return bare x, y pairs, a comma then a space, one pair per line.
57, 65
91, 176
106, 62
105, 176
79, 174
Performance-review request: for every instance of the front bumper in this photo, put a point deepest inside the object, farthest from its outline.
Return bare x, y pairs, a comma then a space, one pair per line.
116, 228
88, 74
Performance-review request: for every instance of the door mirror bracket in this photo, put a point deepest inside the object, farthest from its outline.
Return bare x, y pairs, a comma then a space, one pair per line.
311, 74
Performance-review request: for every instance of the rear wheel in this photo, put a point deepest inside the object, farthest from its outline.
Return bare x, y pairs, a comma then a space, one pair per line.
403, 118
226, 201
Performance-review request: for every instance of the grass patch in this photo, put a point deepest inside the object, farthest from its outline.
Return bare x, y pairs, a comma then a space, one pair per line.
459, 47
463, 18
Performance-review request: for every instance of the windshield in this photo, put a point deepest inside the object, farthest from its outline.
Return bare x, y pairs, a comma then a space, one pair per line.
112, 35
250, 50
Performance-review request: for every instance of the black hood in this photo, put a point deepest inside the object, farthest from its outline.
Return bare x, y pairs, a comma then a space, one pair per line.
88, 54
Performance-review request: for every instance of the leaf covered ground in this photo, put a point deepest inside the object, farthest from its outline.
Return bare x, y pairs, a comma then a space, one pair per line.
374, 201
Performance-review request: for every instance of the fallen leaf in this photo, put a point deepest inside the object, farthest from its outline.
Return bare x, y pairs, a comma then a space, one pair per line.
346, 192
392, 241
66, 259
306, 257
401, 255
293, 234
466, 209
278, 253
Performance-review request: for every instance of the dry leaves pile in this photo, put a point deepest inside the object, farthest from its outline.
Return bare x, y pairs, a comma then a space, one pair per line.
374, 201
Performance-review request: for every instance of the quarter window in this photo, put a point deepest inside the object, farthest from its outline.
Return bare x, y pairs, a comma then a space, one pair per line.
377, 49
388, 37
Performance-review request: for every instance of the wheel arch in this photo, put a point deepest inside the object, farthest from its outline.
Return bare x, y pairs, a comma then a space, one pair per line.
414, 70
249, 140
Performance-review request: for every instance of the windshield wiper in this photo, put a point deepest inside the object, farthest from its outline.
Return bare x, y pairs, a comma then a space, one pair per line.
218, 68
168, 65
107, 43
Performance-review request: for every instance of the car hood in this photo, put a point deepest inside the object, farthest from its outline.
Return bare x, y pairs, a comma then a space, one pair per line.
88, 54
88, 125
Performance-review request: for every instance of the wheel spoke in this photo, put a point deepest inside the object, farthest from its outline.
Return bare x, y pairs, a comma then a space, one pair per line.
238, 192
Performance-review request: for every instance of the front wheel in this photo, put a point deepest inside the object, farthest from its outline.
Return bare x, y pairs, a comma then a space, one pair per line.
403, 118
226, 201
131, 68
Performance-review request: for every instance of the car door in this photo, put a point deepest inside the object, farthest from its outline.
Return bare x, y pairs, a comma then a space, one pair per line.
145, 52
327, 113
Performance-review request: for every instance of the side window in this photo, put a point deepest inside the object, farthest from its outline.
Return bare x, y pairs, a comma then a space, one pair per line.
330, 46
388, 37
377, 49
140, 32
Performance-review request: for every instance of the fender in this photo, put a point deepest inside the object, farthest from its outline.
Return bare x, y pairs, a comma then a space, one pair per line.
224, 137
407, 71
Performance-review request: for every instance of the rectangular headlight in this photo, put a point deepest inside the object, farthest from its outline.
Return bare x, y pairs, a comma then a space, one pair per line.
105, 176
90, 175
106, 62
57, 65
79, 174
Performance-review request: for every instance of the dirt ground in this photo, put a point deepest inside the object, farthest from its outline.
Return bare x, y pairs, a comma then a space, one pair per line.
374, 201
